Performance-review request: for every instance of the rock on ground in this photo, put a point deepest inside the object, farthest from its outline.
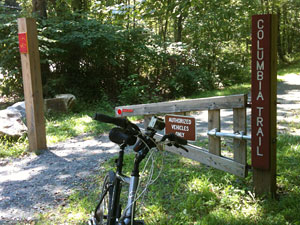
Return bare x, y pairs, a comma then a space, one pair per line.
11, 124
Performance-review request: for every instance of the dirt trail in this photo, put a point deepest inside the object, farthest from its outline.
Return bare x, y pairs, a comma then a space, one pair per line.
288, 108
34, 184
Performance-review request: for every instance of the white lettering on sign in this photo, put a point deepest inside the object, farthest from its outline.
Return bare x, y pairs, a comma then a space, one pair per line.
260, 133
260, 35
180, 134
260, 24
183, 126
259, 110
180, 127
260, 66
258, 47
180, 120
259, 121
260, 54
260, 75
260, 96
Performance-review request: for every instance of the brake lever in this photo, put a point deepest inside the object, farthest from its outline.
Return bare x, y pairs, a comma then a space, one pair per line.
177, 146
180, 146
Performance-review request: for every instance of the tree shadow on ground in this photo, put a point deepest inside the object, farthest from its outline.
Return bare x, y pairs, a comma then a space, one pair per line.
44, 181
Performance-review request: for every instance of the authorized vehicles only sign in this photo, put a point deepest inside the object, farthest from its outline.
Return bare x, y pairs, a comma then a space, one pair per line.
182, 126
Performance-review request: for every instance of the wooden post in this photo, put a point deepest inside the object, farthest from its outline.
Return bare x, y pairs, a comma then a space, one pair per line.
240, 126
264, 100
32, 83
214, 143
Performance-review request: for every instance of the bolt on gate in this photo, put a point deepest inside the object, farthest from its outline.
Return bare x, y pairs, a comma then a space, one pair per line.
211, 156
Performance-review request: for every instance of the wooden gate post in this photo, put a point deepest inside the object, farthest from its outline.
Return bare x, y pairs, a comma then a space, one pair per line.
240, 126
31, 70
214, 143
264, 100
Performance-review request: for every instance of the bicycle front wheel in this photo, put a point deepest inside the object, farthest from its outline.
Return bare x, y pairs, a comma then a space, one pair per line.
103, 208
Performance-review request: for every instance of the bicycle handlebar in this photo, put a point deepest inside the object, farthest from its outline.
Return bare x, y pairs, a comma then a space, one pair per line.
121, 122
130, 131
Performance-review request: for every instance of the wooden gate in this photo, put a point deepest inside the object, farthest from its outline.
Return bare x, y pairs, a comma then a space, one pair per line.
213, 155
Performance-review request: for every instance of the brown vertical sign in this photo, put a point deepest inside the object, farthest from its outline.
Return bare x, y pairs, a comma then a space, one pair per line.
263, 95
34, 104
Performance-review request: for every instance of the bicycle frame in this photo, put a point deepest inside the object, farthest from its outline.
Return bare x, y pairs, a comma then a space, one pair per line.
133, 181
128, 134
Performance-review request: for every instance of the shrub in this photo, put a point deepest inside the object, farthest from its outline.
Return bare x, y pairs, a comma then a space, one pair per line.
10, 64
93, 61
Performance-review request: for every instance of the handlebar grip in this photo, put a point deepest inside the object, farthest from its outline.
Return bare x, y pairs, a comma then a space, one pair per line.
121, 122
175, 138
120, 136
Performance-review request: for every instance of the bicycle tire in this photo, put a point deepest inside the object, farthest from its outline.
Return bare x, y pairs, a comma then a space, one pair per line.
103, 208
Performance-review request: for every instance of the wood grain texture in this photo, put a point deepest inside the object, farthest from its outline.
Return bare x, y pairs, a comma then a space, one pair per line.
214, 122
32, 83
222, 102
204, 156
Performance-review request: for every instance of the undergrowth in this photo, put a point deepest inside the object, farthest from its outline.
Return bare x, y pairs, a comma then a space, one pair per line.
188, 192
60, 127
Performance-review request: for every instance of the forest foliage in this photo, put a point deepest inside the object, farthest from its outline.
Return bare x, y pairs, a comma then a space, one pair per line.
137, 51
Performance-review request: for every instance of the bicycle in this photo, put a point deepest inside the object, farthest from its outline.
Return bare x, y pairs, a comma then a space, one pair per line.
109, 209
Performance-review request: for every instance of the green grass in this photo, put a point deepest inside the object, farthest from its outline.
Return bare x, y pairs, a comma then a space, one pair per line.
291, 68
190, 193
60, 127
235, 89
13, 148
186, 192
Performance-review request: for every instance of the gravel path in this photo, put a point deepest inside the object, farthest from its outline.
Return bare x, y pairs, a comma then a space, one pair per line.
288, 109
34, 184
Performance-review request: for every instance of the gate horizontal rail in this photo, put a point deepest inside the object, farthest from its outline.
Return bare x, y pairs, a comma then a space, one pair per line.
211, 156
216, 133
199, 104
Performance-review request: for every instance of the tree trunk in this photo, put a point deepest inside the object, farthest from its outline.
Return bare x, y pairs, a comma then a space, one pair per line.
165, 29
279, 46
39, 7
178, 30
77, 5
